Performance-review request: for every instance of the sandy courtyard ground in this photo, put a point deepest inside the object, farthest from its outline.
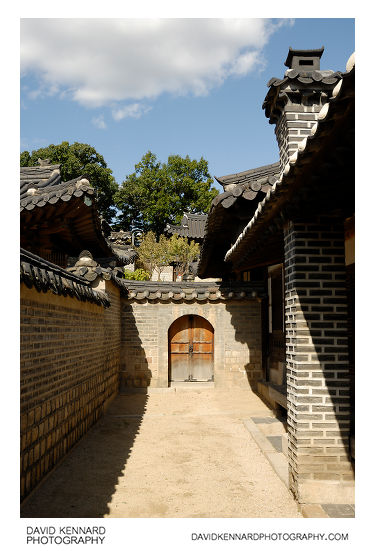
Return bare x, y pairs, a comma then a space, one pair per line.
174, 454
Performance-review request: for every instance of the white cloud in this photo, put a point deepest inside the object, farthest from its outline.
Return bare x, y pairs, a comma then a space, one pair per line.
99, 122
99, 62
134, 111
244, 63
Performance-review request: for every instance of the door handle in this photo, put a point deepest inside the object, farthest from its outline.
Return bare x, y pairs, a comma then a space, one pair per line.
191, 349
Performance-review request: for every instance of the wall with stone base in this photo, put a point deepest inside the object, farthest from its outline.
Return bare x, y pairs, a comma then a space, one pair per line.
237, 340
70, 353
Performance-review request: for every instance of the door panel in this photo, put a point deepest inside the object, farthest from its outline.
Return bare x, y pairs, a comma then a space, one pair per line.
191, 348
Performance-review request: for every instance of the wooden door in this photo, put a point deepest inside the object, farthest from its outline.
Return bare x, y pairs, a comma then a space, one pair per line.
191, 349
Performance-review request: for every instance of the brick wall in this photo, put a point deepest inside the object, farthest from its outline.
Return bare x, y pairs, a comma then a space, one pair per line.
293, 126
237, 336
70, 353
318, 385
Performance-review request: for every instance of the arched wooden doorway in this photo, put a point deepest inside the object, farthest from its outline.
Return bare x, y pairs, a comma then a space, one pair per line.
191, 349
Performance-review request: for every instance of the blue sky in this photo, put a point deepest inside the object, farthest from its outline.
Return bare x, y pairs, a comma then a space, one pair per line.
185, 86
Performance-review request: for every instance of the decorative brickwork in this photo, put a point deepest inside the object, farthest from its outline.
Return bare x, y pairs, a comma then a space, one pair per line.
318, 385
293, 102
70, 353
237, 333
294, 124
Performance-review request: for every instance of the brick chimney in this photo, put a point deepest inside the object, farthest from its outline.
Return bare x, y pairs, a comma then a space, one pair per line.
293, 102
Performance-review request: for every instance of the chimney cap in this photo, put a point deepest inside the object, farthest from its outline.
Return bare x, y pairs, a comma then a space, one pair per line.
308, 60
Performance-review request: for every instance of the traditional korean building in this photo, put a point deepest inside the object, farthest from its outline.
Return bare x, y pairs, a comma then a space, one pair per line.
280, 319
291, 225
192, 226
60, 219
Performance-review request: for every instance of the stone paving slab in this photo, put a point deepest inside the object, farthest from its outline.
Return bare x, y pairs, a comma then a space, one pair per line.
268, 433
276, 442
338, 510
312, 510
265, 420
276, 458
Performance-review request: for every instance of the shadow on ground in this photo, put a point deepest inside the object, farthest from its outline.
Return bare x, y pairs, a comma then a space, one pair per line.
102, 456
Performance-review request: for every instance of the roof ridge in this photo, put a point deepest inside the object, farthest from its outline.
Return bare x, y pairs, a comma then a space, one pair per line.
251, 171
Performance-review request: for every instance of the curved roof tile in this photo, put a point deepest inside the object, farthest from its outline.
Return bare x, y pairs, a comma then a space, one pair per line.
244, 191
293, 79
325, 118
248, 177
34, 195
177, 291
192, 226
45, 276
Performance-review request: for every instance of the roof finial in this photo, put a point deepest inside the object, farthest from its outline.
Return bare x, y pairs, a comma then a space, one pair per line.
44, 162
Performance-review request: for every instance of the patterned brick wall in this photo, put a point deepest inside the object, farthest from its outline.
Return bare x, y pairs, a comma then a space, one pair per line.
70, 353
318, 385
293, 126
237, 335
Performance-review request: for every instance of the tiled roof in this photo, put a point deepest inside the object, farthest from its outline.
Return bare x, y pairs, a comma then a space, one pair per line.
192, 225
45, 276
89, 269
121, 243
251, 179
39, 193
126, 254
246, 184
230, 212
176, 291
292, 82
121, 237
41, 186
339, 106
39, 176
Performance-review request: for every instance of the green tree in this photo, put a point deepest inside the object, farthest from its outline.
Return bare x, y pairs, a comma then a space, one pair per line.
182, 252
154, 254
159, 193
80, 159
138, 275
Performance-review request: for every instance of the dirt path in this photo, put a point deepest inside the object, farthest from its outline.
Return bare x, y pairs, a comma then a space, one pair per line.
167, 455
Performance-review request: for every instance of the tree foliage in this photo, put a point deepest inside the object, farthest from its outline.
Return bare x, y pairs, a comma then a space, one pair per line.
138, 275
80, 159
159, 193
182, 252
155, 254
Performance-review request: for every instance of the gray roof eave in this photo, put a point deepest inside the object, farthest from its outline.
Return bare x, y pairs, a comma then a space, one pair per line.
278, 194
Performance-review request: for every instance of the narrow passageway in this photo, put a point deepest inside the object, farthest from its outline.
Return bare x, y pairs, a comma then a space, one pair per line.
172, 454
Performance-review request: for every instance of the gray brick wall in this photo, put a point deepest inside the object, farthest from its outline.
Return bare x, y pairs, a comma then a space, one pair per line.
318, 385
294, 124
